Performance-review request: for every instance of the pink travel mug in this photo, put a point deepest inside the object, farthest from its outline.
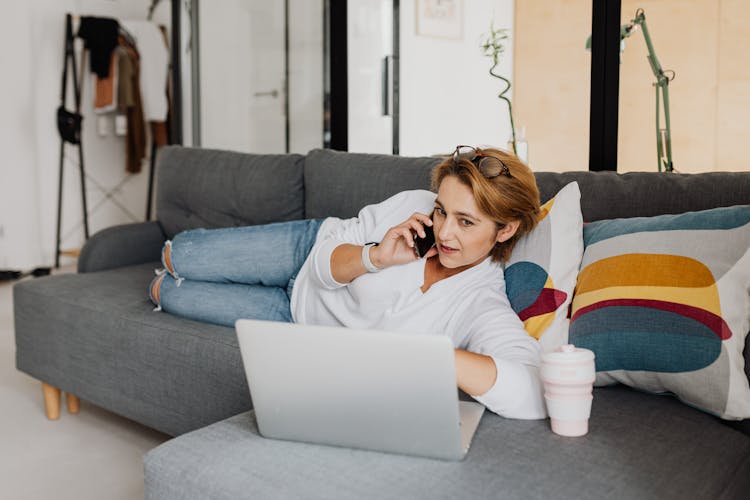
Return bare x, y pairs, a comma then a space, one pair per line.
568, 375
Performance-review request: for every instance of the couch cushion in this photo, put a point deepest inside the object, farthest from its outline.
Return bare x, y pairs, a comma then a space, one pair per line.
639, 446
210, 188
663, 302
97, 336
340, 184
608, 195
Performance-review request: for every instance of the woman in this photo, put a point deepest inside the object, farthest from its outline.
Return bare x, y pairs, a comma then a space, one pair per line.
364, 272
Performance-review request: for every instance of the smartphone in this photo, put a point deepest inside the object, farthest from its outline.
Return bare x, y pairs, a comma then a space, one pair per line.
423, 245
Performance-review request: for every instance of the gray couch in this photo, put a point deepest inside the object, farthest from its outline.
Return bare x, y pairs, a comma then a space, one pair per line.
94, 334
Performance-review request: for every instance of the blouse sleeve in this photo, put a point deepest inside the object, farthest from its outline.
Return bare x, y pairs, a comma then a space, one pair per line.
497, 332
371, 224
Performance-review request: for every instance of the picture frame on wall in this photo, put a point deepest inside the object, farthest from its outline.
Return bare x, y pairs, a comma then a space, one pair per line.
440, 18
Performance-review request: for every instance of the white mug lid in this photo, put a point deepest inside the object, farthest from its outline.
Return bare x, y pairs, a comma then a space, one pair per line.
568, 353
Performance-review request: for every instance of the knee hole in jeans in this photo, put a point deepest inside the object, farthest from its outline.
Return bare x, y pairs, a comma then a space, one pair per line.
155, 290
166, 258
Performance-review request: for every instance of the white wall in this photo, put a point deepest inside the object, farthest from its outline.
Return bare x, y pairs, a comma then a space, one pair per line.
447, 94
32, 62
18, 175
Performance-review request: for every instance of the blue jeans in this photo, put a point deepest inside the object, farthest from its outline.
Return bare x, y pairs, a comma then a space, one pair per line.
221, 275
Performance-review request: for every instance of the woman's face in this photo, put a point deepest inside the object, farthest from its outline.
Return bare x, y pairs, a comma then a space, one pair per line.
464, 235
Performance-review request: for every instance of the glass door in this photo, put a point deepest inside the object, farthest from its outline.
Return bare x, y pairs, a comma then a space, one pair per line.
261, 76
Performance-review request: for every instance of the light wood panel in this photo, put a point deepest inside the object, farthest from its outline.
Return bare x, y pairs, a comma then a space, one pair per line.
551, 72
685, 39
733, 99
703, 41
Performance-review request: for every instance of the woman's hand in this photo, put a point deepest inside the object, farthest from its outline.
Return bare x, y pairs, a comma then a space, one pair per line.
397, 246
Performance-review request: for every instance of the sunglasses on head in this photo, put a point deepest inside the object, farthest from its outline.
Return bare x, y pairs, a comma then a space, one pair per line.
489, 166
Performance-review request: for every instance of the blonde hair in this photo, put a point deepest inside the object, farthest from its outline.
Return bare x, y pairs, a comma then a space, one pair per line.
503, 199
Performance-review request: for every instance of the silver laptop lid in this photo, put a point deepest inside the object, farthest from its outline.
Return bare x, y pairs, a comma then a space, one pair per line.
355, 388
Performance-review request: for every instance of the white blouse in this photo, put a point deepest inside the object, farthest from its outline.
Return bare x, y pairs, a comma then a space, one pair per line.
470, 307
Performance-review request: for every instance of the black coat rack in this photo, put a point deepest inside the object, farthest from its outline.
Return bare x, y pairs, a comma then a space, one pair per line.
69, 125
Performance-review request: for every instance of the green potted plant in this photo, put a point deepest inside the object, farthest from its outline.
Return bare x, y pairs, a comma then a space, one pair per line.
493, 46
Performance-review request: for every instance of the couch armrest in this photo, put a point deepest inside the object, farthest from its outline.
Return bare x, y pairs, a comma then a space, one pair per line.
124, 245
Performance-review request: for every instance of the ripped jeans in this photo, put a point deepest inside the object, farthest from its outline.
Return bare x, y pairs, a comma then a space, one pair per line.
221, 275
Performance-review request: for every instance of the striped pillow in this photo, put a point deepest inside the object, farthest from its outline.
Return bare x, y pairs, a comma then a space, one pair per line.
664, 302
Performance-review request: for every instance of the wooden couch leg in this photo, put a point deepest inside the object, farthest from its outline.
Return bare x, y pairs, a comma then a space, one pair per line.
51, 401
74, 404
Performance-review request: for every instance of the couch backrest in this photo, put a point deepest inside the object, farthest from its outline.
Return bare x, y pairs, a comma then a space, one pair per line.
341, 183
609, 195
210, 188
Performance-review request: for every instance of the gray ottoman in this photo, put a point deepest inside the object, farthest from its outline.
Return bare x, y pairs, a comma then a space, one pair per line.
639, 446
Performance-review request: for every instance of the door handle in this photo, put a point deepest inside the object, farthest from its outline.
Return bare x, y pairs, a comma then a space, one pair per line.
270, 93
386, 72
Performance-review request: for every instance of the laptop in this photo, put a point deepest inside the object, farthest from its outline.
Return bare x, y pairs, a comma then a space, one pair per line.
363, 389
